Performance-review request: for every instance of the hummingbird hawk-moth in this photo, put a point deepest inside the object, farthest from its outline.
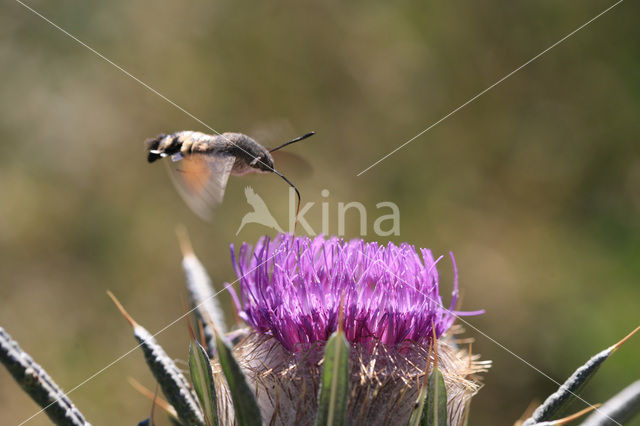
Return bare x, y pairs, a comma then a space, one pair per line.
204, 163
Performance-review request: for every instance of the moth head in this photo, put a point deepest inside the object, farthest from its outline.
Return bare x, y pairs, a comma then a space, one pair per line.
263, 162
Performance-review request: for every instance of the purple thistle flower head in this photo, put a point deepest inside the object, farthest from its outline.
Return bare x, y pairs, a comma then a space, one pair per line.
292, 288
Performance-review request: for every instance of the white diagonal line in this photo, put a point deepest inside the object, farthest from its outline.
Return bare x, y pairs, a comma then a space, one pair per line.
490, 87
145, 85
115, 361
441, 305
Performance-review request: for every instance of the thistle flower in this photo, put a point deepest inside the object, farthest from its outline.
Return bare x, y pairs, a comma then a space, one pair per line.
292, 292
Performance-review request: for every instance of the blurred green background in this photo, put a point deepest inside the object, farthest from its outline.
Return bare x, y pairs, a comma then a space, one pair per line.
535, 186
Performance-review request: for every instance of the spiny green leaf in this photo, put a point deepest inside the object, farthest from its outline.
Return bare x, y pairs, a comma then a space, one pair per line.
202, 379
35, 381
568, 390
171, 380
571, 418
244, 402
202, 294
432, 403
417, 413
435, 413
334, 390
621, 408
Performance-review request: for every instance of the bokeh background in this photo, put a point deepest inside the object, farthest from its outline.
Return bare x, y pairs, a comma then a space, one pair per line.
535, 186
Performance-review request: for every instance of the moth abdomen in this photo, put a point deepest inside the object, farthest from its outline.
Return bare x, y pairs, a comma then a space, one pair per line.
166, 145
151, 145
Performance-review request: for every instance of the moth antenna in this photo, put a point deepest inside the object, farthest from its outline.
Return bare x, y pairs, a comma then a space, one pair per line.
299, 138
297, 194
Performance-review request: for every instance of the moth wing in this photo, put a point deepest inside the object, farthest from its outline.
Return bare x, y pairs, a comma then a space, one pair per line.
271, 129
292, 163
201, 180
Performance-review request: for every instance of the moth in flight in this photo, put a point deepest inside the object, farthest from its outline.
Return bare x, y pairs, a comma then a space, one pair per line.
204, 162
